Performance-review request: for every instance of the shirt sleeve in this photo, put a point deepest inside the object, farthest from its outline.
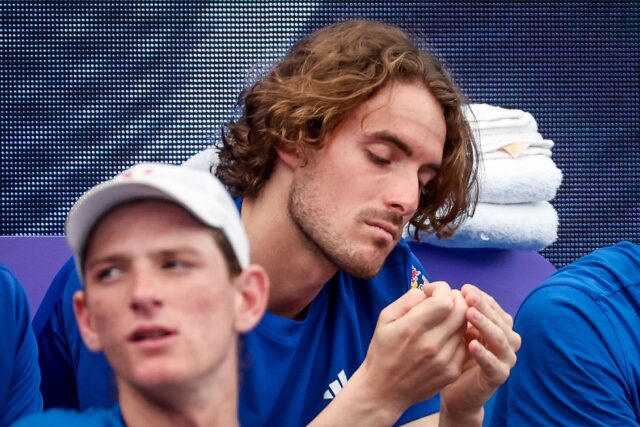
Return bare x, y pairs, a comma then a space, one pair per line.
19, 374
72, 376
569, 369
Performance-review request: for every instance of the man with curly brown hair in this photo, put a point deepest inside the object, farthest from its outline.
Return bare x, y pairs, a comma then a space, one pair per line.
354, 134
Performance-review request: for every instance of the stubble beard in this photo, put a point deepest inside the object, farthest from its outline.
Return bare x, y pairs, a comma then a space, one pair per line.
313, 224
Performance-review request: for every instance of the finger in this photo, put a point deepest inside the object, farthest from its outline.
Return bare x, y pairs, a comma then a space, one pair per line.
451, 350
401, 306
487, 305
497, 340
459, 356
436, 306
432, 311
506, 317
436, 288
456, 322
434, 321
495, 371
471, 333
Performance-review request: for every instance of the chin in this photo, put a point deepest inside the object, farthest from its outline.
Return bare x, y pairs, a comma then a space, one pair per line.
363, 266
149, 376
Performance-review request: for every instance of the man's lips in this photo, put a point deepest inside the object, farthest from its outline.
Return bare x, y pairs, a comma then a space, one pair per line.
390, 228
150, 333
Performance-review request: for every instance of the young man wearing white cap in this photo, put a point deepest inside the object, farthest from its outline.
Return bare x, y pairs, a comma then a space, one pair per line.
164, 260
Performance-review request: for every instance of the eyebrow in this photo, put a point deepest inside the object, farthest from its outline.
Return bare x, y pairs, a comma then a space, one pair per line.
162, 253
109, 259
394, 139
180, 250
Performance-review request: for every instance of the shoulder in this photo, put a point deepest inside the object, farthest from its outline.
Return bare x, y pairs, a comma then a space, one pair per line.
10, 287
603, 271
64, 417
13, 299
585, 306
19, 373
578, 330
600, 278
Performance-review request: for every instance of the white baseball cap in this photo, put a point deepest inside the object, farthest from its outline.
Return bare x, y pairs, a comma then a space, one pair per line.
197, 191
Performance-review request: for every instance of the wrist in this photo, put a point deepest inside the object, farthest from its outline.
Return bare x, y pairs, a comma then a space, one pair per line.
361, 402
466, 419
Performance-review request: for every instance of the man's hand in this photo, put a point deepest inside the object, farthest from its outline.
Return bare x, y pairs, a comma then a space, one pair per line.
418, 347
492, 345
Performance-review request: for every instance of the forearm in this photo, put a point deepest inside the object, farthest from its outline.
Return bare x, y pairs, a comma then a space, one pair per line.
359, 403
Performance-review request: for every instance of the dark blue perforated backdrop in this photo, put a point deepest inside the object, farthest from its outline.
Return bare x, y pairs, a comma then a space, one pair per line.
89, 88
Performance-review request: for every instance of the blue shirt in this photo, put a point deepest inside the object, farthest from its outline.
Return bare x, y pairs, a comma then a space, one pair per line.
93, 417
579, 364
294, 368
72, 376
291, 369
19, 373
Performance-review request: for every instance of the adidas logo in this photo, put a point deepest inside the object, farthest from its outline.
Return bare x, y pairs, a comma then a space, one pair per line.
336, 386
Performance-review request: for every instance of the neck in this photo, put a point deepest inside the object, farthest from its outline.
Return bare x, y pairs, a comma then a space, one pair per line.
296, 269
208, 401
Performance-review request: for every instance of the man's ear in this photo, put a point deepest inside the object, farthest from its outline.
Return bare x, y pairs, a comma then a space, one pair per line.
85, 322
290, 157
252, 293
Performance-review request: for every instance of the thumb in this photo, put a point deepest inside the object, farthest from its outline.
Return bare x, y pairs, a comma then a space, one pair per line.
401, 306
436, 288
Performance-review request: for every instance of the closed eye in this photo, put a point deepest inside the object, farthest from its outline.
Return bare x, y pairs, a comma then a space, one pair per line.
377, 159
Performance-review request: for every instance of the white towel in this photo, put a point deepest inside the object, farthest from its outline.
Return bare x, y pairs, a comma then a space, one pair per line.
527, 226
206, 160
520, 180
485, 116
501, 132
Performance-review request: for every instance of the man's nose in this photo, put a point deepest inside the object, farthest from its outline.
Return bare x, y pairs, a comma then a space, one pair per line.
403, 194
144, 294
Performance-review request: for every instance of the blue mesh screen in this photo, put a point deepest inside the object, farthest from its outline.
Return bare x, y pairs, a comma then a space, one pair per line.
89, 88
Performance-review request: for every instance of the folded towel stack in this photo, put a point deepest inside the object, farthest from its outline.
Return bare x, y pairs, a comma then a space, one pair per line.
517, 178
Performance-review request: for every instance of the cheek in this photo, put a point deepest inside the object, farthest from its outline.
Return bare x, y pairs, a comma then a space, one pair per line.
104, 322
212, 308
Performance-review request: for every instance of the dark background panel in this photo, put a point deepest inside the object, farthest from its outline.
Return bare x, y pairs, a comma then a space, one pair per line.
90, 88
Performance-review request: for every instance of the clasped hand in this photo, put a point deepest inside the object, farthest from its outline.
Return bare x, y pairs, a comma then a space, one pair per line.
457, 342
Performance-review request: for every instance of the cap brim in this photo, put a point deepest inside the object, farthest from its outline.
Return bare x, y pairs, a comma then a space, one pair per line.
87, 213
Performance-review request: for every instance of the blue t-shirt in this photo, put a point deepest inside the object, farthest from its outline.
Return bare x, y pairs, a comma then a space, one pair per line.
290, 369
19, 373
579, 364
92, 417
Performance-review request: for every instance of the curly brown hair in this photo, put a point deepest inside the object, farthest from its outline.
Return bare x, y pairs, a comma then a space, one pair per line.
322, 79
